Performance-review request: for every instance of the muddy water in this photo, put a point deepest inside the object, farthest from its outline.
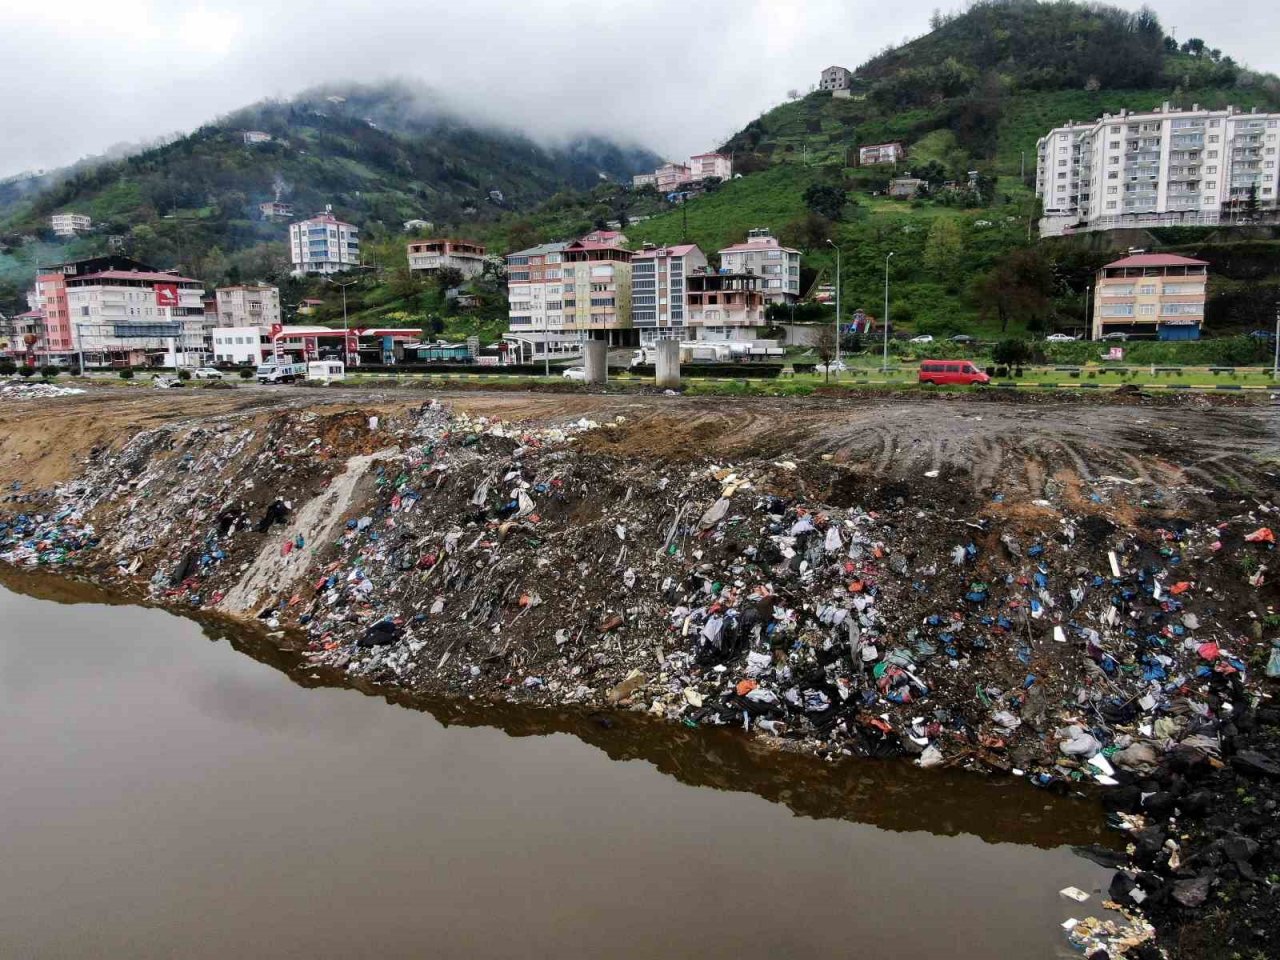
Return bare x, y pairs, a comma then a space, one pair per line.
169, 790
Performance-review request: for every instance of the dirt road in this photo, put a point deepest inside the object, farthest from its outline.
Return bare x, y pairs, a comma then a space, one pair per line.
1013, 446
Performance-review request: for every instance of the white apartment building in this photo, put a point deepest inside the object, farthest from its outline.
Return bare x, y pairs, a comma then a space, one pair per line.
703, 166
1166, 167
763, 255
69, 224
323, 245
247, 304
658, 289
241, 344
135, 317
535, 292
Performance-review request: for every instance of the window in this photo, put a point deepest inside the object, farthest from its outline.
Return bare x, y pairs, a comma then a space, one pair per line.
1147, 289
1212, 168
1211, 185
1213, 138
1111, 204
1111, 191
1146, 309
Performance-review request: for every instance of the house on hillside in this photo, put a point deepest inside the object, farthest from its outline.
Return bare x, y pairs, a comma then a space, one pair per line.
1151, 295
836, 78
874, 153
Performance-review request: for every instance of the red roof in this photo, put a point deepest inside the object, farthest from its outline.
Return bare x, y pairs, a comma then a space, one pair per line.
1158, 260
675, 251
136, 275
30, 315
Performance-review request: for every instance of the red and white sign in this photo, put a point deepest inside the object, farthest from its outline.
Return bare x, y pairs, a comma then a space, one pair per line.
276, 330
1115, 353
166, 294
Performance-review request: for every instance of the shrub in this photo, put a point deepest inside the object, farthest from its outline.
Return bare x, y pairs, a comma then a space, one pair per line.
1011, 352
246, 373
48, 371
126, 374
25, 371
184, 374
8, 368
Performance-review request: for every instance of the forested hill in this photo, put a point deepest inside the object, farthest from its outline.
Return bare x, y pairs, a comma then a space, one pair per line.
379, 154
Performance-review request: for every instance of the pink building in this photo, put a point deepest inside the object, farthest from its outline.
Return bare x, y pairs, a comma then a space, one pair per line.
671, 175
706, 165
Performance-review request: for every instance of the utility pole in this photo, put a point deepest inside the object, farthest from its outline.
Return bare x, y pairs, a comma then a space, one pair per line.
346, 353
1088, 296
837, 250
885, 364
1275, 369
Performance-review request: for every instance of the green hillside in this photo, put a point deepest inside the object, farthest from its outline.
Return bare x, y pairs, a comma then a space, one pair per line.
380, 155
974, 95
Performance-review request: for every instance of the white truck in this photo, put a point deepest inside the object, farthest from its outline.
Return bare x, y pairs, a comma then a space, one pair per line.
715, 351
272, 372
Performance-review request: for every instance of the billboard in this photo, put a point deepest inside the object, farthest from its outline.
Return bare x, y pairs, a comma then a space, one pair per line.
166, 294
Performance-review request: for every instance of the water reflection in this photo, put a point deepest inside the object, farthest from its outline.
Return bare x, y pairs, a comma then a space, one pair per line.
888, 795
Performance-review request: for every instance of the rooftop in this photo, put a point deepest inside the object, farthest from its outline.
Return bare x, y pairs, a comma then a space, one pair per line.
1157, 260
678, 250
149, 276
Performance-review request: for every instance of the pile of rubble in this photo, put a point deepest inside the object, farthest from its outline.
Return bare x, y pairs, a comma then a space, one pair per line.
25, 390
824, 610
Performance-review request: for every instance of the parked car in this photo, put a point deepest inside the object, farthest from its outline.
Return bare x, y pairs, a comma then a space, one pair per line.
963, 338
1262, 334
1060, 338
575, 373
923, 338
206, 373
166, 381
1114, 336
941, 373
837, 366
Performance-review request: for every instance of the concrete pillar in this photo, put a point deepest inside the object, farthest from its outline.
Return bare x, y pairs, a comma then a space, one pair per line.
595, 355
667, 364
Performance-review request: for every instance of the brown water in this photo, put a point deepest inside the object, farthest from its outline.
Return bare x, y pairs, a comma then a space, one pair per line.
167, 796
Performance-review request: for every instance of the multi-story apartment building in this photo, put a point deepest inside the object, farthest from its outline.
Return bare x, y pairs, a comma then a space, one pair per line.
776, 265
658, 278
1165, 167
15, 332
836, 78
69, 224
597, 291
49, 297
669, 176
874, 153
644, 180
704, 166
535, 292
428, 256
724, 306
323, 245
257, 136
247, 304
1151, 295
132, 317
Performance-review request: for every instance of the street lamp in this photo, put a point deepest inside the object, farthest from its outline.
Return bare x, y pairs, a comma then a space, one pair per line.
345, 332
885, 363
837, 250
1275, 369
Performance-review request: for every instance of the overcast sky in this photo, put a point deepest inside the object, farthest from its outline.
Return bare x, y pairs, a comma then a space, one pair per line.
679, 76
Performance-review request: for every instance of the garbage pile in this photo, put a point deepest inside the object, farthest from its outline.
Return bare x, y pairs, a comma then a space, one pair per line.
1107, 634
23, 390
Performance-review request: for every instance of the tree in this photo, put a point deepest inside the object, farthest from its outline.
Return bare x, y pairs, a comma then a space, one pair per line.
826, 347
1020, 285
1011, 352
1194, 46
447, 278
826, 200
943, 248
808, 232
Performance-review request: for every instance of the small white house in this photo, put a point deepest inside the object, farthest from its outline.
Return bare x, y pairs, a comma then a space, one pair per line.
240, 345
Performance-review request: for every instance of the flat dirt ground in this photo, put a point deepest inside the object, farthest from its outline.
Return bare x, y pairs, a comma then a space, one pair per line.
989, 443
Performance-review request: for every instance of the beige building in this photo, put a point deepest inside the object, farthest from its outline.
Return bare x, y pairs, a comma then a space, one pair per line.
247, 305
1151, 296
69, 224
428, 256
776, 265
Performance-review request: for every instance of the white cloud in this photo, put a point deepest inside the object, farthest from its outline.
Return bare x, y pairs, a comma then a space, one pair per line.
80, 75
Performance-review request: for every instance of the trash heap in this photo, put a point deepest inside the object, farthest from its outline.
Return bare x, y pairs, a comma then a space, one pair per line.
1108, 633
23, 390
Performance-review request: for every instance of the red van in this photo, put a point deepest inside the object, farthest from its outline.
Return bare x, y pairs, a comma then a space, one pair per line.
944, 372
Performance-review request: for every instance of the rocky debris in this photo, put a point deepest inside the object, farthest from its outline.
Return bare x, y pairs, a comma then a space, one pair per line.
1106, 633
20, 390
